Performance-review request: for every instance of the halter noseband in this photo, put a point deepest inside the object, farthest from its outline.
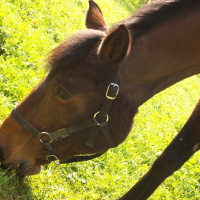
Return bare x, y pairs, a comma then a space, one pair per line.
98, 122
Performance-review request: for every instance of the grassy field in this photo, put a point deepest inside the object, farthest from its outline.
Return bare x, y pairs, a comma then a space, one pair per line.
29, 29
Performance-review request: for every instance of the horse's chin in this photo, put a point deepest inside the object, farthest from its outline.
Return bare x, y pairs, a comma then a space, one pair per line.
23, 170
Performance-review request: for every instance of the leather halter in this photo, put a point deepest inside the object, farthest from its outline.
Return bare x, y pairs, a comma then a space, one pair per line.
98, 122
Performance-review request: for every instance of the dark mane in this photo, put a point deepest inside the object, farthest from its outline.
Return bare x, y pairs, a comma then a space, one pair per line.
156, 13
73, 49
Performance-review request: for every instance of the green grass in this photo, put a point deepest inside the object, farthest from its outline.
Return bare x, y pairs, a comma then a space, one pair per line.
29, 29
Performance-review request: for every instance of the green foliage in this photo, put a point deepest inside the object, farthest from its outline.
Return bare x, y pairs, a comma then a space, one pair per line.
29, 29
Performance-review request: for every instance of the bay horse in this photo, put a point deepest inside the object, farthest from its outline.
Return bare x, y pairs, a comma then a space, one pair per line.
97, 80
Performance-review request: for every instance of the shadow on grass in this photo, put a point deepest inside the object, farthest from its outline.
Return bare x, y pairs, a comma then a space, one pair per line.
13, 187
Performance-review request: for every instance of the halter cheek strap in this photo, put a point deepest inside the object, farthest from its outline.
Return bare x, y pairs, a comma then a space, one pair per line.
102, 118
99, 122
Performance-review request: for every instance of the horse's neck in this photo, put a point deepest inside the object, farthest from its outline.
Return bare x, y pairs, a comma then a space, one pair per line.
167, 54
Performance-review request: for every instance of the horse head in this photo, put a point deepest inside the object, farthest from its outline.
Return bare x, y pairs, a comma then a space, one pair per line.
81, 70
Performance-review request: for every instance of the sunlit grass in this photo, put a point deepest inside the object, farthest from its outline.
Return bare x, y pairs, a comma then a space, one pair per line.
28, 31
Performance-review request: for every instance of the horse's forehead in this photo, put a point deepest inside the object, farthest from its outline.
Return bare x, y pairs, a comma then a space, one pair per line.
78, 76
75, 50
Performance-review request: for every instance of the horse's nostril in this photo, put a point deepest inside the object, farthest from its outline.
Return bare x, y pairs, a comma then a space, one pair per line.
2, 158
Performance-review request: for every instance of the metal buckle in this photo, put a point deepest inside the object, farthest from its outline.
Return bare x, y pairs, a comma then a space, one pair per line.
49, 135
95, 119
117, 90
56, 159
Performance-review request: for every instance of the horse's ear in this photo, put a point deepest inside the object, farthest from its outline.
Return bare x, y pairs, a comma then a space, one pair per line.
115, 46
95, 19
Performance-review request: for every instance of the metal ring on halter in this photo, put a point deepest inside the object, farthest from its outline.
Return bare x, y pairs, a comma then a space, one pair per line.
56, 159
49, 135
99, 123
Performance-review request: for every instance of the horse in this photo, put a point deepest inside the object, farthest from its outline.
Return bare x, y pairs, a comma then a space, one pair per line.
96, 82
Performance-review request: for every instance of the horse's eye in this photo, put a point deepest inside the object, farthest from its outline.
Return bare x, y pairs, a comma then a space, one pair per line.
62, 94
